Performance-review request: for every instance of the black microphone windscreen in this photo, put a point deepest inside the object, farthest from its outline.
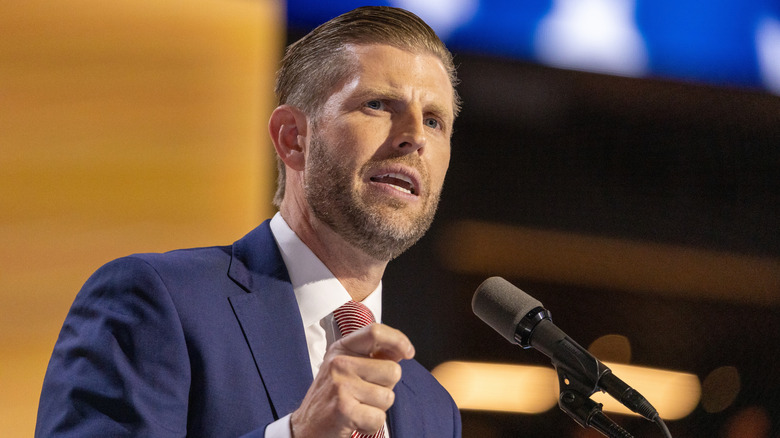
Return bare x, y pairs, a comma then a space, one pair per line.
501, 305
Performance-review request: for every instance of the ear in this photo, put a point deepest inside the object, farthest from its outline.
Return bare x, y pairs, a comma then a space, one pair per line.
288, 129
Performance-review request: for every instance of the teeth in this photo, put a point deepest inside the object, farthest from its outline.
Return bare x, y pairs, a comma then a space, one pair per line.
401, 189
398, 181
400, 176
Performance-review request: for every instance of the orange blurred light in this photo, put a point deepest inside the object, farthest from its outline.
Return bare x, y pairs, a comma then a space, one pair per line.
672, 393
533, 390
499, 387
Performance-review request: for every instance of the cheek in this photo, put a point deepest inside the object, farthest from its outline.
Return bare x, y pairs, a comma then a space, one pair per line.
438, 168
353, 142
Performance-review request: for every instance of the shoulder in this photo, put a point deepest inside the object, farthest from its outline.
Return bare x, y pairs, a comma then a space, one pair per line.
420, 380
183, 263
151, 271
189, 262
419, 395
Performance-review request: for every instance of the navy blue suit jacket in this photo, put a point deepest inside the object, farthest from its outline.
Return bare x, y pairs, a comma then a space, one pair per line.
200, 342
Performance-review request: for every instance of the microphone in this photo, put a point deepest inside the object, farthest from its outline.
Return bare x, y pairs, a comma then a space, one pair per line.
522, 320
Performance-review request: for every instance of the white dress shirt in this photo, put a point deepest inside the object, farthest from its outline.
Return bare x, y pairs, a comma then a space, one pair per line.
318, 293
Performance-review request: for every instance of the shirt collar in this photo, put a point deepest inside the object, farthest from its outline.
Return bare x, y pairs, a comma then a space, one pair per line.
317, 290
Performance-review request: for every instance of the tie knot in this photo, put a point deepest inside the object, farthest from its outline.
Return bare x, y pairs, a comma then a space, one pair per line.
352, 316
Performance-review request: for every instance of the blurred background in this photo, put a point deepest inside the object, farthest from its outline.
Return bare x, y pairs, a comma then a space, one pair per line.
616, 159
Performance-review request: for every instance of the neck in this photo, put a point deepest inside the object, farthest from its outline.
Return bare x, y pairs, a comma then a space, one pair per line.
359, 273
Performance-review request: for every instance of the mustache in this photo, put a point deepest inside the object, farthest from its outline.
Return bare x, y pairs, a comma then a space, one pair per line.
410, 160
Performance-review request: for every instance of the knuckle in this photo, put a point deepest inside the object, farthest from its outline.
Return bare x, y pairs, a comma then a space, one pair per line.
340, 362
389, 398
379, 421
374, 330
346, 405
373, 421
395, 372
343, 404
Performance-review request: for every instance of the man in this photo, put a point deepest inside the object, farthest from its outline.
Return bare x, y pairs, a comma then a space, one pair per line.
241, 340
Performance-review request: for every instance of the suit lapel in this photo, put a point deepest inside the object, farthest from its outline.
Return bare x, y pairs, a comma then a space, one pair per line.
270, 319
404, 418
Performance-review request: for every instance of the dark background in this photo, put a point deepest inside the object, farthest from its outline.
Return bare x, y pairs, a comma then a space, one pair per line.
639, 159
646, 160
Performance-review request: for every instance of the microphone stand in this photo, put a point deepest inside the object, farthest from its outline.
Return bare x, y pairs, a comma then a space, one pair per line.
580, 375
578, 383
587, 413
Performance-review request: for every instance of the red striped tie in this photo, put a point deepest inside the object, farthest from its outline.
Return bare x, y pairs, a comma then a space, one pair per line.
350, 317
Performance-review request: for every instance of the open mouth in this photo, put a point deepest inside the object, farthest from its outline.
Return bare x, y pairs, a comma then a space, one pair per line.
398, 181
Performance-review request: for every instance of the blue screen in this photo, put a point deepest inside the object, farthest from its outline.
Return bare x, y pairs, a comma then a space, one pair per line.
718, 42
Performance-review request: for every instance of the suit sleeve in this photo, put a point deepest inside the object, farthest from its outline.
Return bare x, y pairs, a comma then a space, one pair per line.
120, 365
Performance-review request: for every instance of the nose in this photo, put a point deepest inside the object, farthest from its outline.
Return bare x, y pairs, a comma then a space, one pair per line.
410, 136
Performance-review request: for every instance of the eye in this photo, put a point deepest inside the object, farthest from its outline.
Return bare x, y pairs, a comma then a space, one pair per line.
432, 123
375, 105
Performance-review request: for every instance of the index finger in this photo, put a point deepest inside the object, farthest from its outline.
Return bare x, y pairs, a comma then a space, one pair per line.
378, 341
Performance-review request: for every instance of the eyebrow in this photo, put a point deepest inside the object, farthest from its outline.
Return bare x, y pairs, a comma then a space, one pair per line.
391, 94
384, 93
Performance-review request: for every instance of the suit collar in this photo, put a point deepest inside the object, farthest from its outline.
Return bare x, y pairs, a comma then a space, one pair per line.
256, 255
273, 330
269, 317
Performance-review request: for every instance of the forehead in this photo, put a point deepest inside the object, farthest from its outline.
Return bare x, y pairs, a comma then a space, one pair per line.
410, 74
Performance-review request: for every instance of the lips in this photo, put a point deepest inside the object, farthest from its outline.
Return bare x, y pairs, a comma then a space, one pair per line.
403, 181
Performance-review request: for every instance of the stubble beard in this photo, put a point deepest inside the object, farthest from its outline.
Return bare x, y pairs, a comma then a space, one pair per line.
382, 229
